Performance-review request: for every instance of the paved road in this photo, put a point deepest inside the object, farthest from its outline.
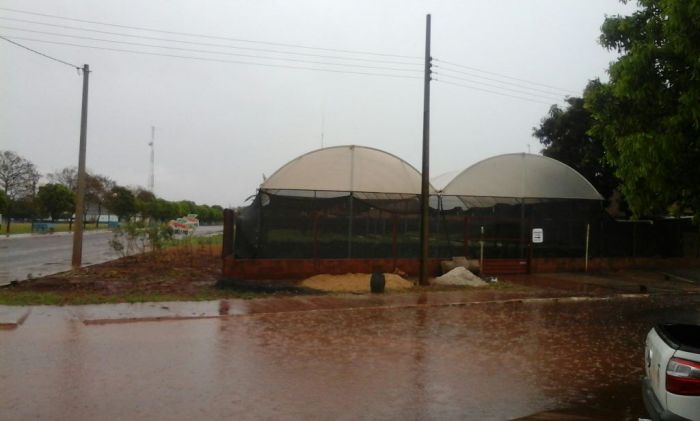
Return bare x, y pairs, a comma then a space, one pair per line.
22, 257
485, 361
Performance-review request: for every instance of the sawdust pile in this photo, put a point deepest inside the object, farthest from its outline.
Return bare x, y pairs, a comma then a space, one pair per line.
354, 282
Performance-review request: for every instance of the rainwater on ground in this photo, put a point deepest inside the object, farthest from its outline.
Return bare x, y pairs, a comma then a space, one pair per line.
482, 362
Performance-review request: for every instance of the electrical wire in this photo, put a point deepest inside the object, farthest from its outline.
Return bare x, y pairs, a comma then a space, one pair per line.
192, 50
519, 85
519, 91
206, 44
492, 92
191, 34
40, 53
502, 75
213, 59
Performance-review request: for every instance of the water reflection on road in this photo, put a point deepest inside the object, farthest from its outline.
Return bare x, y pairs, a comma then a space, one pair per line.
496, 361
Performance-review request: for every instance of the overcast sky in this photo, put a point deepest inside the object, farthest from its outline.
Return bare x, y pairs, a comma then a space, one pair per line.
220, 126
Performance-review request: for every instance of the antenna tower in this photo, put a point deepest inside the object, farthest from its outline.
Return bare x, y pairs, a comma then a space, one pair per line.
151, 175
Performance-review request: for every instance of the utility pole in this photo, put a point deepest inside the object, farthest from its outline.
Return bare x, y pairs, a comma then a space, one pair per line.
77, 259
425, 173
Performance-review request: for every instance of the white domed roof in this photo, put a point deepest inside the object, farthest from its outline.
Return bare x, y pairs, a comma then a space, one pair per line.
522, 176
348, 168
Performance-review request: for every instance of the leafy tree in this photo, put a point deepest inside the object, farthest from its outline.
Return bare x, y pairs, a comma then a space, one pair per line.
648, 114
97, 188
564, 135
146, 203
121, 202
18, 180
187, 206
3, 200
24, 208
56, 199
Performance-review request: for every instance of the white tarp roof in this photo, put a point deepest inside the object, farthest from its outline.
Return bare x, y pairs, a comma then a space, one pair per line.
442, 180
521, 176
348, 168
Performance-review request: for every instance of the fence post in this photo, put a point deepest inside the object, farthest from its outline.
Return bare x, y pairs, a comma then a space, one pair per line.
316, 216
350, 228
481, 253
394, 245
466, 236
588, 233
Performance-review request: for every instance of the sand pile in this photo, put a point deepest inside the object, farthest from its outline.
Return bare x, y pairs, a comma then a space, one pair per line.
459, 276
353, 282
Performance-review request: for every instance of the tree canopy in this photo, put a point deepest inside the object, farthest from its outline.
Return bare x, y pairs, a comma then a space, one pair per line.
18, 180
56, 199
122, 202
648, 114
3, 201
564, 135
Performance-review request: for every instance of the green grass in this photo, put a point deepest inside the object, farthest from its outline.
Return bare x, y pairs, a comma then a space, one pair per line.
214, 240
26, 227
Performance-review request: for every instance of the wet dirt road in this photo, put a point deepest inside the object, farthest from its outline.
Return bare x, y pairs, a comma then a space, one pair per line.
490, 361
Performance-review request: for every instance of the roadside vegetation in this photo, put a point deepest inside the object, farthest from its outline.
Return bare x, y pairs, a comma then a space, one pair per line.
26, 195
185, 268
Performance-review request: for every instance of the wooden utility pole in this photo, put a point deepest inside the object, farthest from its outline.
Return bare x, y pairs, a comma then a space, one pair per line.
425, 173
77, 259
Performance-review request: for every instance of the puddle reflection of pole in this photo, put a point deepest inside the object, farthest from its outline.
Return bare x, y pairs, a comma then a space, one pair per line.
419, 359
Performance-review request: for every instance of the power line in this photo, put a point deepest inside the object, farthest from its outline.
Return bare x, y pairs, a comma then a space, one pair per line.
519, 85
519, 91
206, 44
40, 53
214, 52
216, 60
503, 76
190, 34
492, 92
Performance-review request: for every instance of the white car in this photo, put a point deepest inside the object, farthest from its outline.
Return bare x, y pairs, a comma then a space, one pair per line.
671, 387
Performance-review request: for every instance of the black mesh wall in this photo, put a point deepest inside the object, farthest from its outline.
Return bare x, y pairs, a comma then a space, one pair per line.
340, 225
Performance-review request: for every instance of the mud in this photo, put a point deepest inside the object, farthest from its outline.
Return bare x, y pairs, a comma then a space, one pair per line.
427, 361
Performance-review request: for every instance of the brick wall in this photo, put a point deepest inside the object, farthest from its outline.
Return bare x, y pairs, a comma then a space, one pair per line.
271, 269
283, 269
562, 264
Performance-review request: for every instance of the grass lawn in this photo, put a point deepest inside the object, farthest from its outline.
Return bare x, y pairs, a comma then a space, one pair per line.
26, 227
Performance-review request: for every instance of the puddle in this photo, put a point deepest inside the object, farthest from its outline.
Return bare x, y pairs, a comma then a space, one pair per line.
495, 361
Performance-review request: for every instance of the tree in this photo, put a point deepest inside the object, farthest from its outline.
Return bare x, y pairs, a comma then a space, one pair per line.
648, 114
121, 202
3, 200
18, 180
97, 188
564, 135
56, 199
146, 203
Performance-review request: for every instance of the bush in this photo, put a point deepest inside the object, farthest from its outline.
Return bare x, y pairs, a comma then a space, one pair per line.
136, 238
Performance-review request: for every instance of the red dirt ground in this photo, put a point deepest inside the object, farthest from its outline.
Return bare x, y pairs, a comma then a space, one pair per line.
180, 270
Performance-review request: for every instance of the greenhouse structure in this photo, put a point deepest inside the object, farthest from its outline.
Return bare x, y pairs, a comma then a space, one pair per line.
355, 208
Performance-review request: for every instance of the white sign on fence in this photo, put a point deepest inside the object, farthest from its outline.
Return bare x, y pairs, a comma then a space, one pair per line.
537, 235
